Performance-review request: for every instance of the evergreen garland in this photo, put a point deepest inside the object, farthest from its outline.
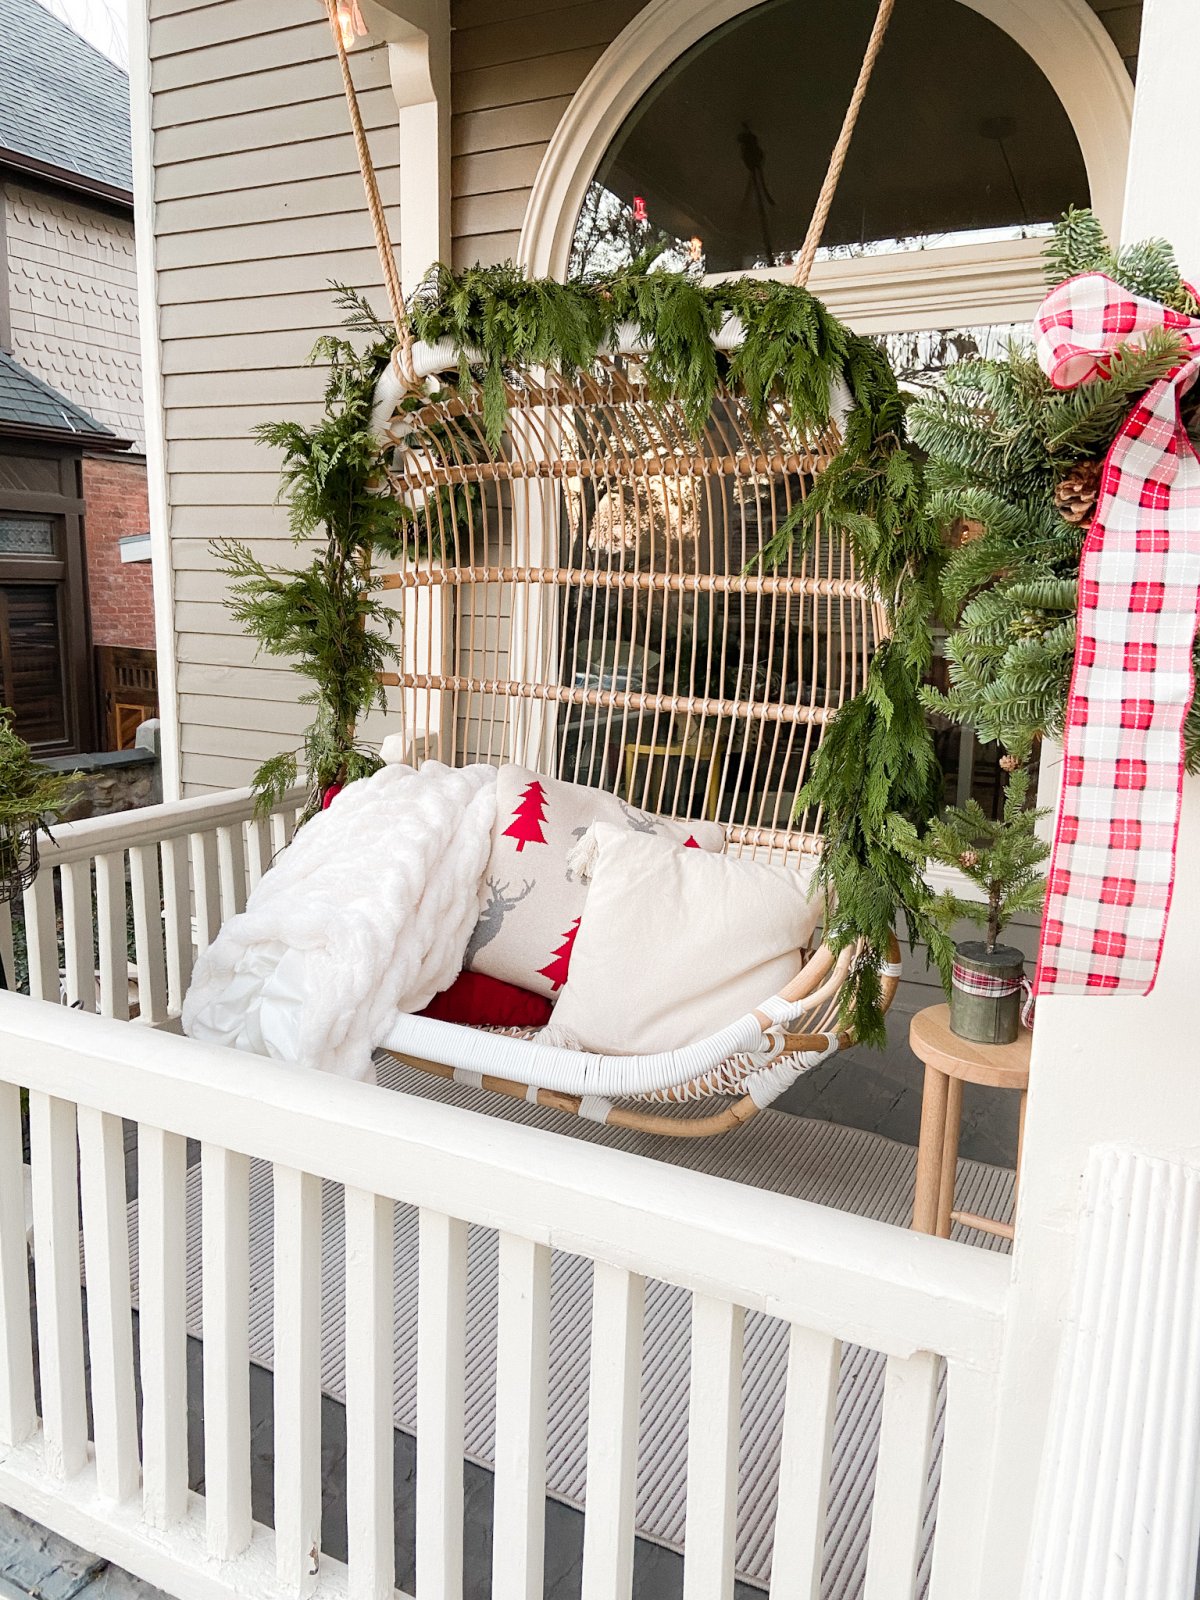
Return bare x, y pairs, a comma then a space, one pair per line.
1003, 444
326, 615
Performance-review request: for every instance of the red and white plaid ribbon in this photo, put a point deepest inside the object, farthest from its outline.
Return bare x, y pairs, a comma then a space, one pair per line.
1113, 866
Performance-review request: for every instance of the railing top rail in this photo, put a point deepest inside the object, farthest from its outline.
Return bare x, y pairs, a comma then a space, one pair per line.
849, 1276
80, 841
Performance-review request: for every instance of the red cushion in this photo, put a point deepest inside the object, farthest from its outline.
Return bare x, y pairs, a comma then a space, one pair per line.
477, 1001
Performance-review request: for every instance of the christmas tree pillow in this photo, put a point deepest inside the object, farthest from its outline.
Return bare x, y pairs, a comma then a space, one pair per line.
532, 897
675, 945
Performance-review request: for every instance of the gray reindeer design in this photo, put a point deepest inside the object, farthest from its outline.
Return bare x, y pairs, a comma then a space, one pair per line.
499, 904
639, 821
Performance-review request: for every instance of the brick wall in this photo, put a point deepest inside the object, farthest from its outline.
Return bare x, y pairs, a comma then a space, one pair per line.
120, 594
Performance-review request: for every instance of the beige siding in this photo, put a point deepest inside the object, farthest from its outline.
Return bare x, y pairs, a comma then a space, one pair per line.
258, 206
515, 67
73, 303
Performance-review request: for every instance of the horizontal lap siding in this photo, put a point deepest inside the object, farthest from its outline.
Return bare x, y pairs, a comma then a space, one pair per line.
515, 67
258, 206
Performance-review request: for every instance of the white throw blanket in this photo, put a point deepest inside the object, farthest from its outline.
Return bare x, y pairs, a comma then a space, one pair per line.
365, 916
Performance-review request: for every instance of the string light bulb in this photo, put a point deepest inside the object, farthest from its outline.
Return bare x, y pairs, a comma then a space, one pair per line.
350, 23
639, 209
695, 248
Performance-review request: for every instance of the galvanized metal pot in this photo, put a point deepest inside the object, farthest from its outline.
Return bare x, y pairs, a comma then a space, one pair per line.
985, 995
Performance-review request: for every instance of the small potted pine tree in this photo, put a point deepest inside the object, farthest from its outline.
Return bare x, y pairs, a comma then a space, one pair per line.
1001, 857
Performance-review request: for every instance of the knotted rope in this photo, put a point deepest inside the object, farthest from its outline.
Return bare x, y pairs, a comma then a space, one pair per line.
383, 241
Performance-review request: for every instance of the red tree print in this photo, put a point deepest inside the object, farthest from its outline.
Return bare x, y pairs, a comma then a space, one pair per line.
557, 969
526, 825
691, 842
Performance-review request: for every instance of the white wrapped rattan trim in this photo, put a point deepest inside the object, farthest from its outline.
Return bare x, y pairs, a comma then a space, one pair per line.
594, 1108
770, 1082
429, 359
572, 1071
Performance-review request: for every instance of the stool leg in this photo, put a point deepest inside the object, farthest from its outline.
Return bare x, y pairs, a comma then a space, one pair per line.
949, 1157
929, 1151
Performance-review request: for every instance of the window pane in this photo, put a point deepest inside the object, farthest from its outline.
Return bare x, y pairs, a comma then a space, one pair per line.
31, 653
26, 536
960, 136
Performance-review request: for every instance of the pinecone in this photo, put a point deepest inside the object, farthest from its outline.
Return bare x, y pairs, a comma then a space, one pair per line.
1076, 494
969, 858
1010, 763
965, 530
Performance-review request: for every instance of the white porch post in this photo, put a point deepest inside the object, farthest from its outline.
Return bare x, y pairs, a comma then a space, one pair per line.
418, 40
1107, 1071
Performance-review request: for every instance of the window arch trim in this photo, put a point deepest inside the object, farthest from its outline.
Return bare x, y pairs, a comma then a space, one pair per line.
1064, 38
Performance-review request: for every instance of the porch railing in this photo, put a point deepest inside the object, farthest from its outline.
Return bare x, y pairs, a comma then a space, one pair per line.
157, 883
831, 1276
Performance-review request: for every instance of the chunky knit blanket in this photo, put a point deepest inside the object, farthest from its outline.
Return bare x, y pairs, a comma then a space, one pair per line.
366, 915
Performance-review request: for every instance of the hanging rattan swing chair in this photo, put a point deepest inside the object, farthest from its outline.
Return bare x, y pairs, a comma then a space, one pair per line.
590, 614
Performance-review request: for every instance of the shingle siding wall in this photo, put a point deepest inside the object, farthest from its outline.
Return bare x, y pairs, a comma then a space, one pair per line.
72, 287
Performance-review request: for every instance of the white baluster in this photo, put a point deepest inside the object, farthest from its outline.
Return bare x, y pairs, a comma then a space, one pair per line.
441, 1359
177, 919
148, 933
618, 1308
231, 854
111, 935
259, 848
972, 1402
522, 1364
162, 1256
110, 1327
56, 1269
226, 1254
41, 937
282, 828
804, 1466
18, 1416
901, 1477
79, 954
370, 1530
297, 1379
713, 1412
207, 880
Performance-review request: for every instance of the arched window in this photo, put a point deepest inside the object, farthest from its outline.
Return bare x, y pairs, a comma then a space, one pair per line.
961, 141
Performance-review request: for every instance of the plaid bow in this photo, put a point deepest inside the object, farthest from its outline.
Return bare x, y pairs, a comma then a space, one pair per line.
1113, 866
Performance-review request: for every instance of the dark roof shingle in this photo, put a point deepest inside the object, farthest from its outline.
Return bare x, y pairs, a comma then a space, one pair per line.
26, 402
62, 103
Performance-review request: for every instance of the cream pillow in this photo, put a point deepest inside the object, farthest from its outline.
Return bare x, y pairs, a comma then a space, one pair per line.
675, 944
532, 896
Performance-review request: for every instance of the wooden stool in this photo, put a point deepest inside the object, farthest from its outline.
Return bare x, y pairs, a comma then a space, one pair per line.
949, 1063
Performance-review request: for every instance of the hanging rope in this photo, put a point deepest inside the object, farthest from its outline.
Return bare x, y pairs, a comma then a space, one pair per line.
820, 216
383, 242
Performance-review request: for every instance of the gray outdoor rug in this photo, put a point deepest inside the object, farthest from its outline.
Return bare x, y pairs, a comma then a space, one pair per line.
818, 1161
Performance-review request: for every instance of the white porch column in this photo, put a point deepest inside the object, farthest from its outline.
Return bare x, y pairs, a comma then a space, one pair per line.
1107, 1071
418, 36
